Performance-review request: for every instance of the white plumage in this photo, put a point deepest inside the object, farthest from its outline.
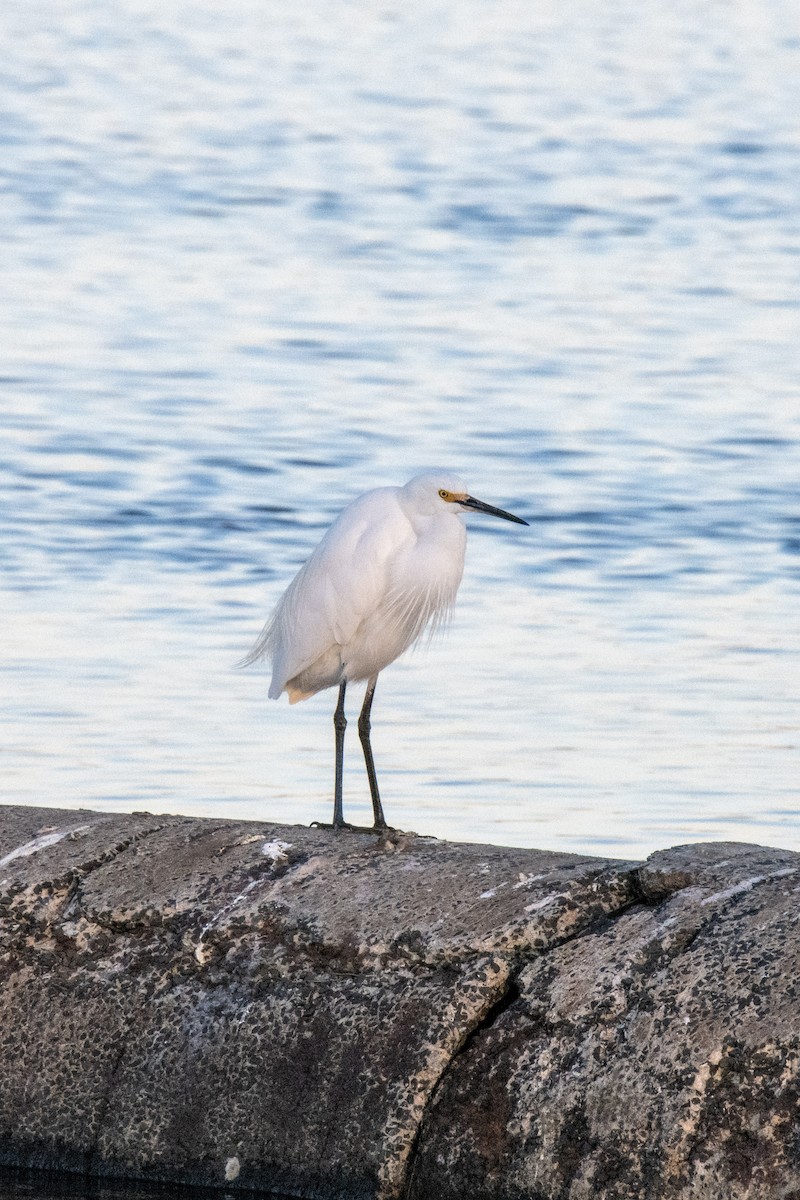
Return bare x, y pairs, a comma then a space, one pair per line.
390, 564
388, 568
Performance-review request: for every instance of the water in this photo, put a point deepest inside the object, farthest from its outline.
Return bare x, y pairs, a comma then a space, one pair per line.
43, 1185
256, 265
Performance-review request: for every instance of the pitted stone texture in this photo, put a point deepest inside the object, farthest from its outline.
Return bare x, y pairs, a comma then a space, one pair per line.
362, 1016
316, 1085
368, 900
182, 993
45, 854
657, 1058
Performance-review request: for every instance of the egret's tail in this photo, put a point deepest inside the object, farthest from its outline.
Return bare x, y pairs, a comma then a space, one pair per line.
262, 649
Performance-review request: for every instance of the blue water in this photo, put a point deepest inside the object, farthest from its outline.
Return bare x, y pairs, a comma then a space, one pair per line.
256, 264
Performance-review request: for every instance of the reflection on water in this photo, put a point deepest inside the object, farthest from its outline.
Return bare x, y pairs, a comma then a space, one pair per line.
43, 1185
250, 272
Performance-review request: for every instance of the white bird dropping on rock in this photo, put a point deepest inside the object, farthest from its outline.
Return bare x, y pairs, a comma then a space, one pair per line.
388, 568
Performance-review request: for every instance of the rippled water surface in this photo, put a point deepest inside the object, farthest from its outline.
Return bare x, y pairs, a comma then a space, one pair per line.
255, 265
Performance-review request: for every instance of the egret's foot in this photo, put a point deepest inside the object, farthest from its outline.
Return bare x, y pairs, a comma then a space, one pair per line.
380, 830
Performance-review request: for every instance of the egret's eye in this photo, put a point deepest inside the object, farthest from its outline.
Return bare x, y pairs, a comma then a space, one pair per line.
445, 494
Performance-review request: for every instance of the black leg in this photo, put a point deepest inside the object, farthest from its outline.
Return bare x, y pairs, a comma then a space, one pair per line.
363, 733
339, 725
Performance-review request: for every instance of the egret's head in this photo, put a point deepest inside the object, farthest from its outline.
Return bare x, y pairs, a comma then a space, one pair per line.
432, 491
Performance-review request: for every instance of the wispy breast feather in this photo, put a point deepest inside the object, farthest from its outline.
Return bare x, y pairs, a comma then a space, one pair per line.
409, 611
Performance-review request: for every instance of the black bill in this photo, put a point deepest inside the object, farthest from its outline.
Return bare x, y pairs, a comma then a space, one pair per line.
479, 506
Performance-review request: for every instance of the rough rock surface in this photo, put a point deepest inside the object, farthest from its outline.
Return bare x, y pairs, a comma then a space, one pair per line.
657, 1056
287, 1010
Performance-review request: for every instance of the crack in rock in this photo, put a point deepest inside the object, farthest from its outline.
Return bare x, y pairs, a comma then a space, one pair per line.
264, 1008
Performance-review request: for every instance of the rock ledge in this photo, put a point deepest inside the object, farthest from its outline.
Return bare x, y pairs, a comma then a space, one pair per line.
283, 1010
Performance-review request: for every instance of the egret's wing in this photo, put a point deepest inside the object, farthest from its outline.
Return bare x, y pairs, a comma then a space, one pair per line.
343, 581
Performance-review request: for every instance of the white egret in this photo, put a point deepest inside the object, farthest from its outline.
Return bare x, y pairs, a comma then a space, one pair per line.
388, 568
